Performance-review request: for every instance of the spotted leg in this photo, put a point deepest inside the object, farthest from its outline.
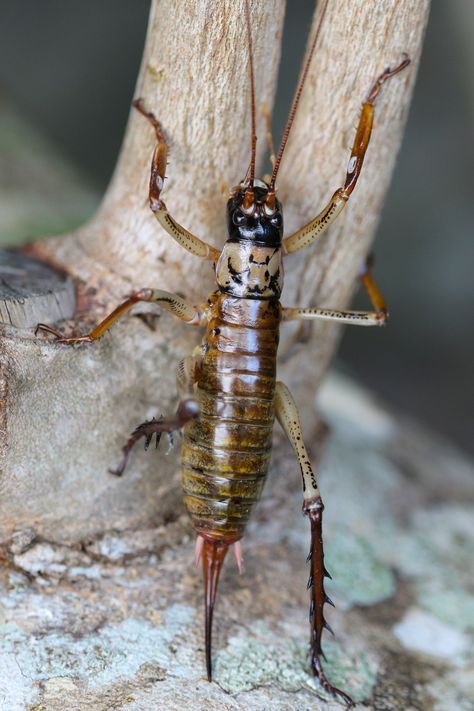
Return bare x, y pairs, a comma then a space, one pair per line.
288, 417
157, 178
188, 409
313, 229
171, 302
378, 317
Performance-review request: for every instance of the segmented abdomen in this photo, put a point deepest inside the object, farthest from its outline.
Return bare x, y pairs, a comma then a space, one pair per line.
226, 451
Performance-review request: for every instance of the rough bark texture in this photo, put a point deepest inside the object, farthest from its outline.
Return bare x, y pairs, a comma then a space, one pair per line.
194, 77
99, 605
117, 623
357, 42
31, 292
66, 412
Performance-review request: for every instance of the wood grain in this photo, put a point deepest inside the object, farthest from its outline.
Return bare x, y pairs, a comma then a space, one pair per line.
357, 41
65, 413
194, 76
30, 292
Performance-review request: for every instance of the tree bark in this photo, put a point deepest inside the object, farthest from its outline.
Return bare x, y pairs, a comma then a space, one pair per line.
118, 622
194, 77
358, 40
66, 412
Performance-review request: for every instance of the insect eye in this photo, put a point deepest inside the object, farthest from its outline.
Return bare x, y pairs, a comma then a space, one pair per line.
238, 218
276, 220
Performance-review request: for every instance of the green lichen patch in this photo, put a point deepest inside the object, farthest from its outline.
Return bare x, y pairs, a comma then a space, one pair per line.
448, 532
247, 663
450, 604
439, 540
99, 659
436, 553
454, 691
359, 577
419, 631
261, 658
357, 481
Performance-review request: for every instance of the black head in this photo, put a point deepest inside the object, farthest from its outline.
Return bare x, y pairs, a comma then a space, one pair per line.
254, 215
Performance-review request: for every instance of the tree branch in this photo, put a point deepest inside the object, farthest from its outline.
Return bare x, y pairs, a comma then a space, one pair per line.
194, 77
358, 40
66, 412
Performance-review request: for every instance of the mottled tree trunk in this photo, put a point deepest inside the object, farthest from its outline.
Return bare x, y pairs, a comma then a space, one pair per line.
65, 412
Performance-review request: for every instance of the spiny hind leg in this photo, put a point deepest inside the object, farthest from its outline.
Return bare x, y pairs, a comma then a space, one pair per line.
288, 417
188, 409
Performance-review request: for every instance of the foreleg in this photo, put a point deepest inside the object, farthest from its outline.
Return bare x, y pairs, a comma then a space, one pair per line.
157, 178
378, 317
288, 417
313, 229
171, 302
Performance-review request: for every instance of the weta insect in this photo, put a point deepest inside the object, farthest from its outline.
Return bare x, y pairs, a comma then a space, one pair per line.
229, 395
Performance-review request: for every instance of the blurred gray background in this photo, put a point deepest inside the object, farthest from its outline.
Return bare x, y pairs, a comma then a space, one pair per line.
68, 69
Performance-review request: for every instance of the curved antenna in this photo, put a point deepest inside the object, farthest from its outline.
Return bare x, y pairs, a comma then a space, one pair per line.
296, 100
251, 170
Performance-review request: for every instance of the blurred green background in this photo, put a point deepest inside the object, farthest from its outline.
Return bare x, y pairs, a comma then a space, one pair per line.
67, 75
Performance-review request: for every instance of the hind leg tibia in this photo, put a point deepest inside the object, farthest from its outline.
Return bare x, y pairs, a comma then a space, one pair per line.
288, 417
188, 409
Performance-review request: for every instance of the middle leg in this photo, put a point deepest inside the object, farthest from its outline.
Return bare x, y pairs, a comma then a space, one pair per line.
378, 317
171, 302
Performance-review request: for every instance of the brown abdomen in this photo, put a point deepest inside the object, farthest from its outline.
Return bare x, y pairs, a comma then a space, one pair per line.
226, 451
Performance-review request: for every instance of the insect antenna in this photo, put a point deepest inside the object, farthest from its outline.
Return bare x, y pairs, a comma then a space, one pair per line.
296, 100
249, 178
